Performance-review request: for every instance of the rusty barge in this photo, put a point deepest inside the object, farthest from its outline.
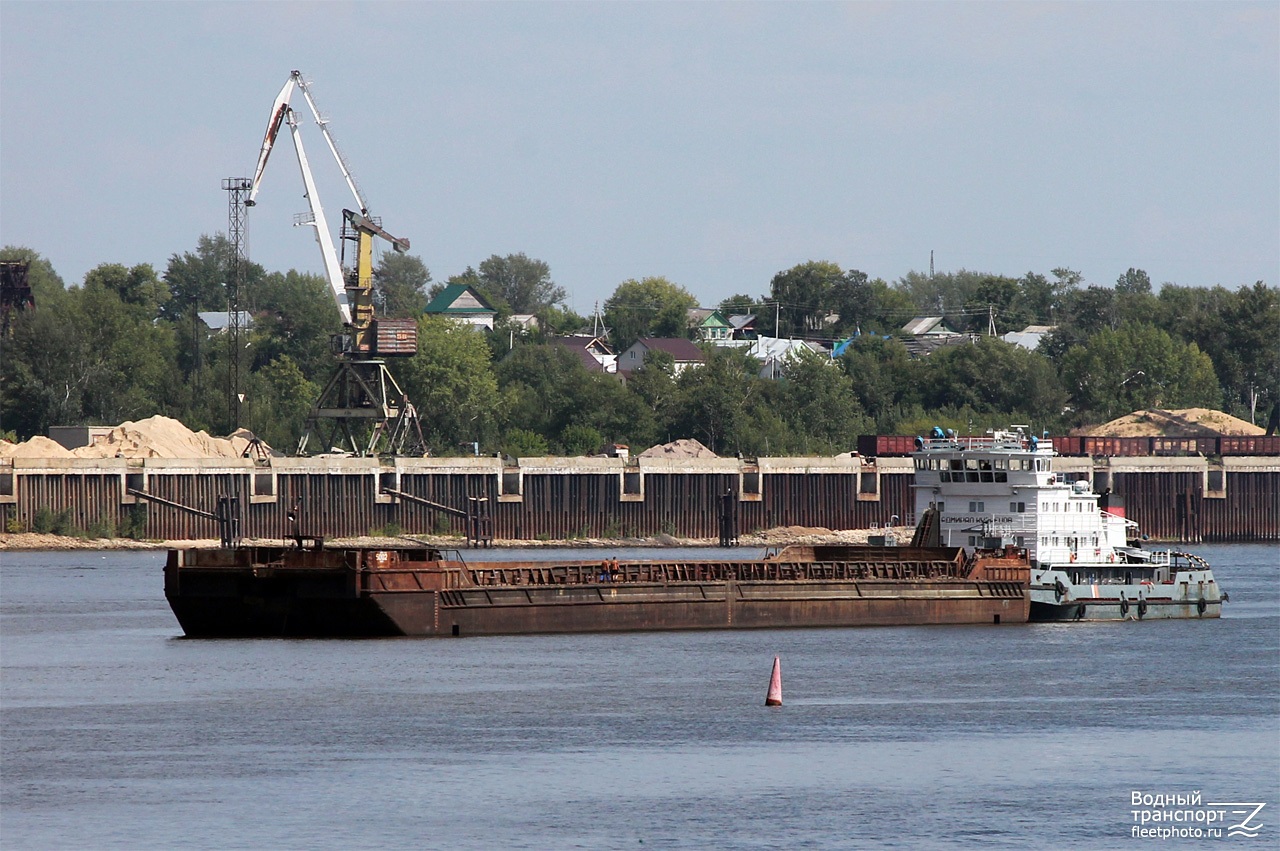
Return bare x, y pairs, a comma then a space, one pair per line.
313, 591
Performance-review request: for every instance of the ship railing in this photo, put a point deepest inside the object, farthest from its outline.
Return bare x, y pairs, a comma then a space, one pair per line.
608, 572
1016, 444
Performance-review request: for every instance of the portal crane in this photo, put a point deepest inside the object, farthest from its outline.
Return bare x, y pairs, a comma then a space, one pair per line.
362, 399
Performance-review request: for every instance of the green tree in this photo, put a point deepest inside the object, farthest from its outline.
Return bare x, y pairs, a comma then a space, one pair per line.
650, 307
1237, 329
1134, 301
804, 294
278, 399
655, 388
994, 377
581, 440
521, 282
400, 284
138, 286
884, 378
868, 306
198, 280
739, 305
820, 406
46, 284
296, 316
89, 357
522, 443
1137, 367
451, 382
1002, 297
542, 384
1084, 313
716, 401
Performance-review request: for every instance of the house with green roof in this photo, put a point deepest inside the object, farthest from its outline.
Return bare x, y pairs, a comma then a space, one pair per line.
461, 302
709, 325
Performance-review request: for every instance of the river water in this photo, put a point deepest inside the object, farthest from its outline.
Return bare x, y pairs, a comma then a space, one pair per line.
118, 733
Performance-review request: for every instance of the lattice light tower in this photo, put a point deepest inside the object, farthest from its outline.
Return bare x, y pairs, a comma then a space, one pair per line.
237, 189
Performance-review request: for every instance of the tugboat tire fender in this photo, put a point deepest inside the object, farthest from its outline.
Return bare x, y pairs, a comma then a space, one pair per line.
1142, 609
1124, 607
1201, 606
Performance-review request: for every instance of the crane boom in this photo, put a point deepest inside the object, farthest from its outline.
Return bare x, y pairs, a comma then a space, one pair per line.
296, 77
278, 110
317, 220
283, 114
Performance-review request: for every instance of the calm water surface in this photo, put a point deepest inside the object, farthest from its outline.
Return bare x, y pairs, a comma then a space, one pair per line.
118, 733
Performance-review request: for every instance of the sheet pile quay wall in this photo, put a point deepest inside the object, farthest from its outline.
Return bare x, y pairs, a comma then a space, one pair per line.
1181, 499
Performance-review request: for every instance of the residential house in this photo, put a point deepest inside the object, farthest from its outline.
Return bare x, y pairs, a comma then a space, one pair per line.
926, 334
743, 325
709, 325
461, 302
773, 352
594, 353
1029, 337
929, 326
525, 322
685, 353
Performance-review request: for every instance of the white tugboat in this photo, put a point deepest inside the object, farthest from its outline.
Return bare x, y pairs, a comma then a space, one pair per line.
1087, 562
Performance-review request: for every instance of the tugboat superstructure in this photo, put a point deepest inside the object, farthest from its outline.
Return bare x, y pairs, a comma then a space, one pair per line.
1087, 560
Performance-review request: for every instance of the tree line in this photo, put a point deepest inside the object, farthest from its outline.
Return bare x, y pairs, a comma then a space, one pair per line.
126, 343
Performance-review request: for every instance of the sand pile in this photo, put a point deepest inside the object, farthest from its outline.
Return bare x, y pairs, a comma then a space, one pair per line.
160, 437
154, 437
1187, 422
685, 448
37, 447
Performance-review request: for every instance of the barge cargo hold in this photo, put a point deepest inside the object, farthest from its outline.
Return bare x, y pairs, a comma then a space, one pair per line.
258, 591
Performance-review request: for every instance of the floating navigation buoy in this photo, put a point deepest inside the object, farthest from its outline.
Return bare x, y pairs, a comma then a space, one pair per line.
775, 685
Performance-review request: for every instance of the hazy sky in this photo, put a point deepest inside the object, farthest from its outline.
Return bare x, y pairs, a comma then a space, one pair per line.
713, 143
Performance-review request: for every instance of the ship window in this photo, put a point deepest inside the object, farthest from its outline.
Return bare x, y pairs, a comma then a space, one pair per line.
971, 463
945, 476
973, 540
977, 506
987, 476
984, 464
1002, 476
1017, 507
971, 476
1022, 542
957, 464
1044, 507
942, 506
1002, 464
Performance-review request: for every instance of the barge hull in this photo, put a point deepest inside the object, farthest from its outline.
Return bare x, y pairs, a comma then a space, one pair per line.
348, 593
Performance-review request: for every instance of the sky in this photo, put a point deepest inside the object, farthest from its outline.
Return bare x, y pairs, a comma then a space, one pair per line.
715, 144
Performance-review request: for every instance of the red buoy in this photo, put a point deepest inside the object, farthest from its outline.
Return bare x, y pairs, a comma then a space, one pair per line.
775, 685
